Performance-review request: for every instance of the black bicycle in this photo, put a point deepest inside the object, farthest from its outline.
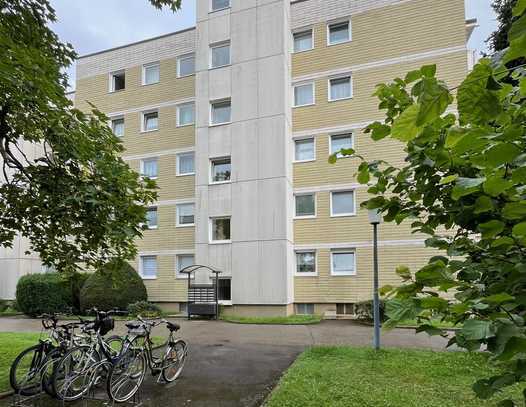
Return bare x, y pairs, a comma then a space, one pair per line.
127, 373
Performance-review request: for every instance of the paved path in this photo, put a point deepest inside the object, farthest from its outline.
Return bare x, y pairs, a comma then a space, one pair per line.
238, 365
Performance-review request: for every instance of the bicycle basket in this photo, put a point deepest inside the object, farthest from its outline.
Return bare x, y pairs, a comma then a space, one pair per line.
136, 329
105, 325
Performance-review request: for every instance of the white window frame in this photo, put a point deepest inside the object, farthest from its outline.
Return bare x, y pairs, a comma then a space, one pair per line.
179, 59
177, 158
180, 275
313, 274
157, 212
343, 215
343, 251
211, 167
111, 87
143, 120
313, 87
212, 102
351, 84
210, 230
335, 22
220, 45
142, 167
150, 65
296, 216
212, 10
303, 30
294, 160
114, 118
351, 133
178, 118
141, 265
183, 225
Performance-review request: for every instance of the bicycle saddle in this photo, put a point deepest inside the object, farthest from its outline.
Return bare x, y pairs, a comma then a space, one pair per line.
172, 326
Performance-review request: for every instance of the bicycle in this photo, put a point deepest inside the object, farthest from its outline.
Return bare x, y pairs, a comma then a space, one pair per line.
29, 372
72, 374
127, 373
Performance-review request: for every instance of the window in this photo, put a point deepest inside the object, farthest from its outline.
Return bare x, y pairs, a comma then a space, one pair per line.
220, 55
185, 65
343, 263
220, 112
185, 114
340, 88
306, 205
185, 164
304, 95
342, 203
221, 169
344, 309
305, 309
224, 289
220, 230
220, 4
150, 121
339, 32
149, 168
341, 141
150, 73
117, 81
183, 261
306, 262
117, 126
185, 214
304, 150
148, 267
303, 41
151, 218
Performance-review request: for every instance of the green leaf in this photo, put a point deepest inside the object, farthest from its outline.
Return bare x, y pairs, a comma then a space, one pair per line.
454, 135
333, 158
475, 329
483, 204
379, 130
466, 186
503, 241
404, 272
448, 180
363, 176
404, 127
519, 7
519, 230
496, 185
498, 298
413, 76
435, 303
433, 100
522, 87
514, 210
502, 153
430, 330
491, 229
513, 347
516, 50
429, 70
518, 29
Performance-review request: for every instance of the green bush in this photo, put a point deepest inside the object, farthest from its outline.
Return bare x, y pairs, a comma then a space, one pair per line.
116, 285
4, 304
77, 281
43, 293
364, 311
144, 309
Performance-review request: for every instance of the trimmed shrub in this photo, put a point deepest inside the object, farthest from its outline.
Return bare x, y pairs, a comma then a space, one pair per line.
77, 281
364, 311
116, 285
43, 293
144, 309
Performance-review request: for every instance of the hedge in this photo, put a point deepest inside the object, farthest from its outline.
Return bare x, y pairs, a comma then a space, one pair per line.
43, 293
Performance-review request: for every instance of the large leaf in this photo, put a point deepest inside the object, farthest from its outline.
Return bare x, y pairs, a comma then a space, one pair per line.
502, 153
514, 210
433, 100
519, 230
405, 127
519, 7
491, 229
496, 185
466, 186
475, 329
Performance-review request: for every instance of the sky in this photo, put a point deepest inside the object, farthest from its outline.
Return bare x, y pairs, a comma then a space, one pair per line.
95, 25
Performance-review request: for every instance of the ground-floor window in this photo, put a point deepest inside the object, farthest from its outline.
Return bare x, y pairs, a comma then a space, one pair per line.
224, 289
345, 309
304, 309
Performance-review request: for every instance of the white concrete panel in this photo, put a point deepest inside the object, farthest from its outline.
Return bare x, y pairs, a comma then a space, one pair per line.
272, 147
245, 150
272, 209
220, 258
238, 5
201, 254
202, 9
202, 46
220, 200
245, 207
245, 273
219, 28
220, 83
244, 35
202, 161
202, 101
201, 215
219, 141
273, 275
245, 97
271, 29
271, 81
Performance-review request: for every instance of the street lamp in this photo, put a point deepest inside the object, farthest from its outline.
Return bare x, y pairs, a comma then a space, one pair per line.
375, 218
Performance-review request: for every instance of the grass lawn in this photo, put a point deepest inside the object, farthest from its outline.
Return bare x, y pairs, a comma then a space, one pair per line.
290, 320
11, 344
359, 377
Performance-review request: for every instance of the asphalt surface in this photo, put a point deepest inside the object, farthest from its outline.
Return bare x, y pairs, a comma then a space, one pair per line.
238, 365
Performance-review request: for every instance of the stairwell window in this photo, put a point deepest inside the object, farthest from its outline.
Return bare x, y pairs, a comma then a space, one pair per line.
221, 170
342, 203
185, 114
340, 88
185, 65
305, 205
220, 5
303, 41
341, 142
151, 73
150, 168
148, 267
304, 150
220, 230
117, 126
185, 214
183, 261
117, 81
220, 112
338, 32
306, 263
343, 262
186, 164
220, 54
304, 94
150, 121
151, 218
305, 309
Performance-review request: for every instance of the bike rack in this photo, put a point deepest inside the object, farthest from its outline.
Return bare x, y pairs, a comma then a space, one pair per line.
20, 400
202, 298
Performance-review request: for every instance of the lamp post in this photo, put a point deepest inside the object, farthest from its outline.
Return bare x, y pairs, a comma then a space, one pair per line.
375, 218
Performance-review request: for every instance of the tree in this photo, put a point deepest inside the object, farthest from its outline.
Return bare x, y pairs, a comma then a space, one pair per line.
62, 184
464, 185
498, 40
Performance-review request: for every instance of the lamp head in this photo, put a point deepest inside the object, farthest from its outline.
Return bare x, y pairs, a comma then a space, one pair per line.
375, 217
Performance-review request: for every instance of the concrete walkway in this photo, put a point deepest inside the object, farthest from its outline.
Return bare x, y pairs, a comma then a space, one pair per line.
238, 365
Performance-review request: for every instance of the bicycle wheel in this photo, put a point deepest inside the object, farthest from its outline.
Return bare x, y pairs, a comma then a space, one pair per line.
126, 375
48, 367
174, 360
24, 374
115, 343
71, 375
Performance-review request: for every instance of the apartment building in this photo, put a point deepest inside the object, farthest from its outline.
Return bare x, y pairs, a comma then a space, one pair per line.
235, 119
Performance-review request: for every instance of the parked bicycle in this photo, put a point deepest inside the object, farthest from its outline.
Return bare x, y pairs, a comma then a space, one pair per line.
127, 373
72, 374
